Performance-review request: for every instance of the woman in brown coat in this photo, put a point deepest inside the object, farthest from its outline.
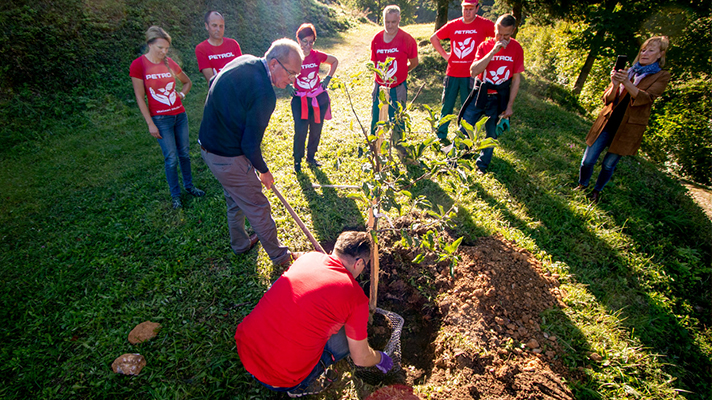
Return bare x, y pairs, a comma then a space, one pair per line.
628, 101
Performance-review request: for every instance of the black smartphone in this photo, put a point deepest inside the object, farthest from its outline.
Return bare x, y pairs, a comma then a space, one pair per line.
620, 62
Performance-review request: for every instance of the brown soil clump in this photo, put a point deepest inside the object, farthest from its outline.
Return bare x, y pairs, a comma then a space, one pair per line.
476, 335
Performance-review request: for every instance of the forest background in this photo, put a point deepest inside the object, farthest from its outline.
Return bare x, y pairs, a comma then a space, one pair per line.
61, 58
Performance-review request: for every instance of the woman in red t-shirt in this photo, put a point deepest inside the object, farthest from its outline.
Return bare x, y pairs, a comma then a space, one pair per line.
310, 104
154, 77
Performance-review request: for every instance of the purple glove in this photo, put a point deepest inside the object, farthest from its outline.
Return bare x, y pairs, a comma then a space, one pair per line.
385, 364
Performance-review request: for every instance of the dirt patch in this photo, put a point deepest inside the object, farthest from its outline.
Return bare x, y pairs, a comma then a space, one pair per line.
477, 335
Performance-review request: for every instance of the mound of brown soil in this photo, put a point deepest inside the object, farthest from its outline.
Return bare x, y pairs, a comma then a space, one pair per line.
476, 335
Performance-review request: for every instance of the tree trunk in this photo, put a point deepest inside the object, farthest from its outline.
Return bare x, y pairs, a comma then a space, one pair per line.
442, 6
517, 13
592, 54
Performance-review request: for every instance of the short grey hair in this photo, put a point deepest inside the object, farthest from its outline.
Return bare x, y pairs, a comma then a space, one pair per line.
392, 9
281, 48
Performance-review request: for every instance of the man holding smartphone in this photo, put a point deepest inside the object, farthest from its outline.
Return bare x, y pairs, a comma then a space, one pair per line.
497, 68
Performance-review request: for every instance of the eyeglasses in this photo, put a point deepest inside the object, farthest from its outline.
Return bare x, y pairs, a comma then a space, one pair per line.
291, 74
306, 42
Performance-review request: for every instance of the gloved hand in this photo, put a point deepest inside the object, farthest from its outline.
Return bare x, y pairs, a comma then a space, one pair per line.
385, 364
325, 82
291, 90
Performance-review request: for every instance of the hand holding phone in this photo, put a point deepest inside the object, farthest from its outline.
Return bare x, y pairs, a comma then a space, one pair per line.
620, 62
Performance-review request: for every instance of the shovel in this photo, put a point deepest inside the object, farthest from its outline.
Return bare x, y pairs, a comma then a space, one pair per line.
298, 220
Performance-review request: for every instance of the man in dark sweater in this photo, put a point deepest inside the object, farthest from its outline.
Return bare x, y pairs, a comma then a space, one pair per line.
237, 111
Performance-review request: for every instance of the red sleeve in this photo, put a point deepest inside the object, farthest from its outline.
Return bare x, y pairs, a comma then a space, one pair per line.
519, 61
203, 62
136, 69
490, 29
238, 53
174, 67
412, 48
444, 32
373, 48
321, 56
480, 51
356, 326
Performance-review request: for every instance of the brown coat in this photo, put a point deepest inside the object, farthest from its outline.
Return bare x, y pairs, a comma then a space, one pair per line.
627, 138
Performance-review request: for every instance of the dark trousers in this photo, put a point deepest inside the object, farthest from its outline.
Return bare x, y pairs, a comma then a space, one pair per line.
304, 127
472, 114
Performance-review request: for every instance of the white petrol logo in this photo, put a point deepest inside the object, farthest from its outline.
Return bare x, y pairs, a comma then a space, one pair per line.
309, 81
166, 96
464, 48
497, 77
391, 71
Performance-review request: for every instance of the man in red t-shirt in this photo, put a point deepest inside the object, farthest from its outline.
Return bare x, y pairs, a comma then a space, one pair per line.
314, 315
498, 65
465, 34
215, 52
392, 42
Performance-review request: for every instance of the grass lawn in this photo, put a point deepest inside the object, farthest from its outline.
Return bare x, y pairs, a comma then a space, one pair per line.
90, 247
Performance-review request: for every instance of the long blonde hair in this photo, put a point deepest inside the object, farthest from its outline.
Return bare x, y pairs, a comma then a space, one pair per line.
154, 33
663, 44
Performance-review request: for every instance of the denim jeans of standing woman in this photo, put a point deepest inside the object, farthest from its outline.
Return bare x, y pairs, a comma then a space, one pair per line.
590, 157
175, 145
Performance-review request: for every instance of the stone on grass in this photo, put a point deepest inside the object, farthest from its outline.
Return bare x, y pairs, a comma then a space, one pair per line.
128, 364
595, 357
144, 331
532, 344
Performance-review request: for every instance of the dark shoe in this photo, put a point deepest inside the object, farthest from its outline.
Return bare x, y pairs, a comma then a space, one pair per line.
253, 241
195, 191
580, 188
297, 167
313, 163
176, 203
319, 385
595, 196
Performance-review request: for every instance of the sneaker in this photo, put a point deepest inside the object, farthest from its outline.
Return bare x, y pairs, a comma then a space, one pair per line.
319, 385
195, 191
176, 203
595, 196
297, 167
580, 188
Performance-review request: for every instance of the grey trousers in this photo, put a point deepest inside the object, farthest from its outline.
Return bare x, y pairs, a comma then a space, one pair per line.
244, 198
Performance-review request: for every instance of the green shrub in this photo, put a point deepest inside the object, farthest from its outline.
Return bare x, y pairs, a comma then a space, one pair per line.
680, 131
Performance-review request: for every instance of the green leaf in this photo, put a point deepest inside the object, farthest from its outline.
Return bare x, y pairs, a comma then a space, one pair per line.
418, 259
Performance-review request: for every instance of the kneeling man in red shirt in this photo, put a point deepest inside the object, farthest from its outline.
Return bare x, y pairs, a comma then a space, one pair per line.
314, 315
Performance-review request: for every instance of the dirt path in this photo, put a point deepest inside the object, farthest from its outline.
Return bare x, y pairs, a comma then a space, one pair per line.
702, 196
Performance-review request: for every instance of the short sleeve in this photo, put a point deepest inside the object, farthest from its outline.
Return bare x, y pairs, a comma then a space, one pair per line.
136, 69
174, 67
356, 326
203, 62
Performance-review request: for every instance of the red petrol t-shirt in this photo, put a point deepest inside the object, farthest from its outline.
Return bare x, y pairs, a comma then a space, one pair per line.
308, 78
282, 339
216, 57
402, 48
464, 39
160, 85
504, 64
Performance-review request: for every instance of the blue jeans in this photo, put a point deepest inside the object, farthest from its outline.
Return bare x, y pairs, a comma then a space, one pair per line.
453, 87
473, 114
590, 157
336, 349
175, 146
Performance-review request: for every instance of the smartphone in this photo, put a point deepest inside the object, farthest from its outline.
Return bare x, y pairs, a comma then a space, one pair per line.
620, 62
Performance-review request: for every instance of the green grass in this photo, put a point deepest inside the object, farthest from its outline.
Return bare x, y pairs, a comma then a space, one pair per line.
89, 247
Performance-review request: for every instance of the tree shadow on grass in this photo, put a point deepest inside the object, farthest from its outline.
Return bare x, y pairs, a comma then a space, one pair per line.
331, 211
613, 274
